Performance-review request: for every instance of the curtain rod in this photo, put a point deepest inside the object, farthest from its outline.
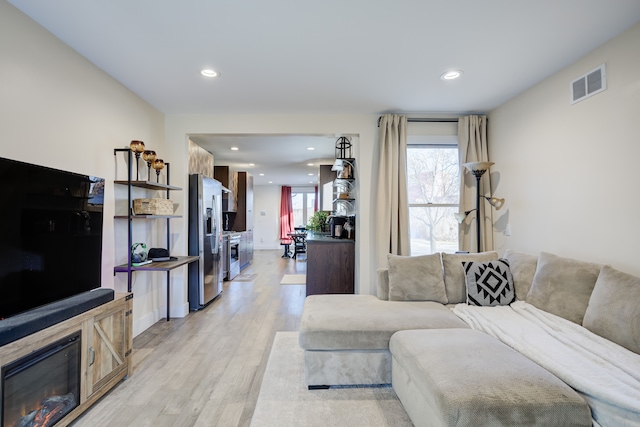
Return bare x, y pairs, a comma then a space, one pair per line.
426, 120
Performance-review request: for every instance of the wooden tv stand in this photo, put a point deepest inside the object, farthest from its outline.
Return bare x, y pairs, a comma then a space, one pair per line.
105, 352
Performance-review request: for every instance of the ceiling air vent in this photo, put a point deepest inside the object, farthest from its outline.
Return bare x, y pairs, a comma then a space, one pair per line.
595, 81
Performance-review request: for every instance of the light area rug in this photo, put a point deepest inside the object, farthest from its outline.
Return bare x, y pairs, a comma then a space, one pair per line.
294, 279
284, 399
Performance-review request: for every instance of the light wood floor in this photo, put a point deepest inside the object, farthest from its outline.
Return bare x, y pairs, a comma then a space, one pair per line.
206, 369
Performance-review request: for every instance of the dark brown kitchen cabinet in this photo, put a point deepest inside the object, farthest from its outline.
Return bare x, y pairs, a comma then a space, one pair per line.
330, 266
244, 215
229, 179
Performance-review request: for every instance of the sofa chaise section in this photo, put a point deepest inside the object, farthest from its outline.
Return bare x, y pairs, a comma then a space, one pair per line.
346, 337
467, 378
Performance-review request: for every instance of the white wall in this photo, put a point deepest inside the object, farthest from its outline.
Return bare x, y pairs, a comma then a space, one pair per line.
365, 126
266, 228
569, 172
59, 110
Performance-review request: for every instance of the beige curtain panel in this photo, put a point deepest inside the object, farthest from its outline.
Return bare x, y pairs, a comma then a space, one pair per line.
472, 147
392, 207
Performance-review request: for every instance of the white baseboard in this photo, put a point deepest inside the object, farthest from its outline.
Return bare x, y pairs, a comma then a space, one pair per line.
144, 323
179, 311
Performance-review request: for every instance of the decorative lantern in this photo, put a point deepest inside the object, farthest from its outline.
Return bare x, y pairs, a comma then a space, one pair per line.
149, 156
137, 147
158, 165
343, 148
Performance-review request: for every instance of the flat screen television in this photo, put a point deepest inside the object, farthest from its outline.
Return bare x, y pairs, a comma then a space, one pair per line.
50, 235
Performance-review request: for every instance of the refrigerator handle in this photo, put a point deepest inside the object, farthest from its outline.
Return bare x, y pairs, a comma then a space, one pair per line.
215, 237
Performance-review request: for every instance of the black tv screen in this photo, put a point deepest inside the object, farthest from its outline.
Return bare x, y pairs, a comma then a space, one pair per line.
50, 235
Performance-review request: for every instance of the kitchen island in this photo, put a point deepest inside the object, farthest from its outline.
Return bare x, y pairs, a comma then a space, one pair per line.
330, 265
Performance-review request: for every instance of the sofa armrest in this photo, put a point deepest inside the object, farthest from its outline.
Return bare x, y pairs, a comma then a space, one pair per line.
383, 284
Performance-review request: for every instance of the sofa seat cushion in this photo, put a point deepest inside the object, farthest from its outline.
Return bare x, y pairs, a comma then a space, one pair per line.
363, 322
465, 377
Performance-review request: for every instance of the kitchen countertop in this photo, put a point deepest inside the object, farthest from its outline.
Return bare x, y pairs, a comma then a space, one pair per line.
325, 238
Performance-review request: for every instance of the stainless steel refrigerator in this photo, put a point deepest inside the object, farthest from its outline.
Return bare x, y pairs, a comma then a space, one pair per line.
205, 240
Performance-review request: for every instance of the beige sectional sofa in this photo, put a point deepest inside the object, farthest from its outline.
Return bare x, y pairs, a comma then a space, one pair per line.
453, 363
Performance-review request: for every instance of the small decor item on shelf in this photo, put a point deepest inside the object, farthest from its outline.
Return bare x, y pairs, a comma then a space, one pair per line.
139, 254
158, 165
346, 172
149, 156
344, 188
348, 228
137, 147
343, 148
344, 207
160, 254
152, 207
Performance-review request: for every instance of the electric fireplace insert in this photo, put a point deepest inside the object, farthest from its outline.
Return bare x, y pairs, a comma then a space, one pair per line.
40, 388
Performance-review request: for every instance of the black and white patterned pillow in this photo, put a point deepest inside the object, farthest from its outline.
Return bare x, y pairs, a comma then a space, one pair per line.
489, 283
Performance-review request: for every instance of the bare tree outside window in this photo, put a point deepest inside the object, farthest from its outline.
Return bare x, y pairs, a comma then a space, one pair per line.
433, 176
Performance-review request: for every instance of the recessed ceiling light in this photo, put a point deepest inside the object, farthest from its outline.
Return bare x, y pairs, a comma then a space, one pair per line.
261, 174
234, 148
451, 75
209, 73
310, 148
252, 164
310, 174
310, 182
309, 164
270, 182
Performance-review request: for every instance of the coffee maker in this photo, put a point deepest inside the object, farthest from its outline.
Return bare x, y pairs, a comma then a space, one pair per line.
337, 225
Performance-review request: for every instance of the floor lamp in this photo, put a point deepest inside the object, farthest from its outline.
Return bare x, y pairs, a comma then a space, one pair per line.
478, 169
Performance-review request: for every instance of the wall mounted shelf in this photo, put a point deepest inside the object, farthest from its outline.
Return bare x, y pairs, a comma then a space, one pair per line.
165, 266
158, 266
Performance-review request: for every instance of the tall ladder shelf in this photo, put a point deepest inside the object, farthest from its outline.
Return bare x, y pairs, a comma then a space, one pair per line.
165, 266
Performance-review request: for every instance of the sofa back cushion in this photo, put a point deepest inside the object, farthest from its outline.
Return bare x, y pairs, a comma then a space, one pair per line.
454, 275
614, 308
563, 286
523, 268
383, 284
416, 278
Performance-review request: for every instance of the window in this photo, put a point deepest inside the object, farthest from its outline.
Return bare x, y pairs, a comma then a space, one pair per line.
433, 176
303, 202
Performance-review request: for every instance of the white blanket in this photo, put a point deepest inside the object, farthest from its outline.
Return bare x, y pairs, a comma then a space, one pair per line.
604, 373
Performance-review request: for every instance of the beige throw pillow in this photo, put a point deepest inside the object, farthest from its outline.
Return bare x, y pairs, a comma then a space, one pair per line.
454, 275
523, 268
614, 308
416, 278
563, 286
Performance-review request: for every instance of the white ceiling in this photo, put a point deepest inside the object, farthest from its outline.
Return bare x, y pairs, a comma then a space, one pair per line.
331, 56
277, 159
